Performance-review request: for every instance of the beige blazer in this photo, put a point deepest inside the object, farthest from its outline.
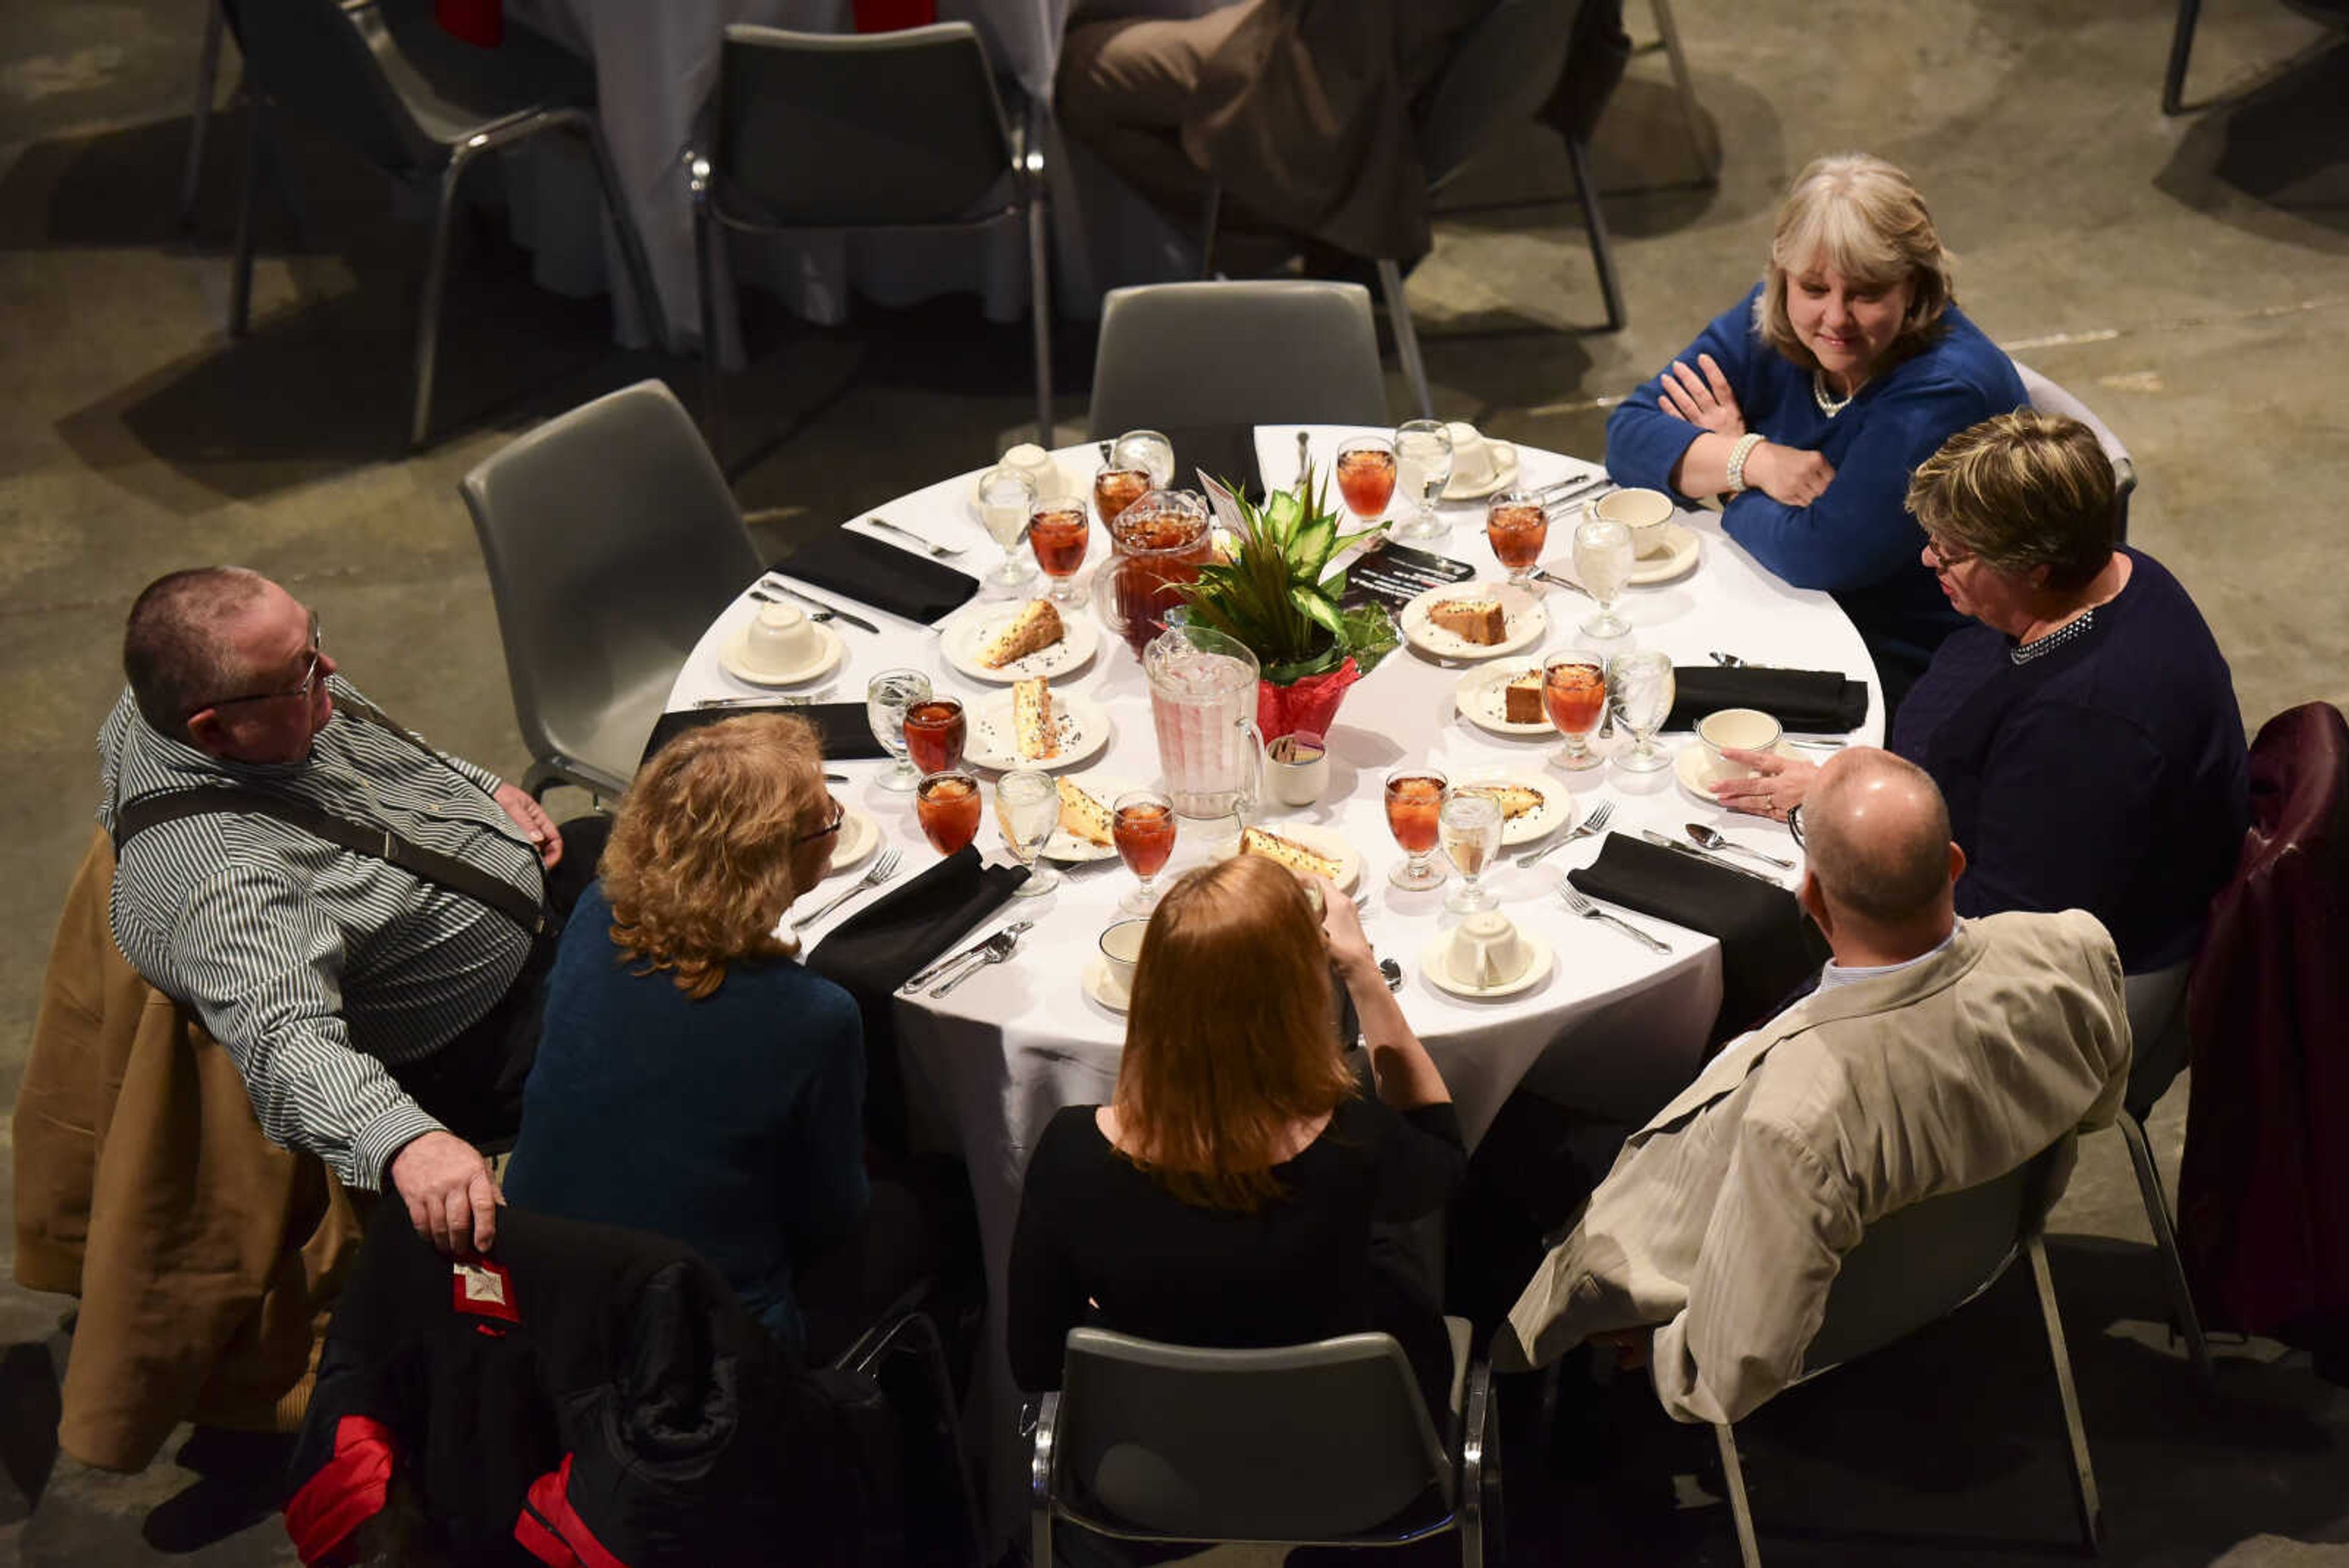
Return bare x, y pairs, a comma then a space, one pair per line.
1725, 1219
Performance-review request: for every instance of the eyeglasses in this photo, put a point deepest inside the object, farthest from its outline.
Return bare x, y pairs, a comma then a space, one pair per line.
1943, 558
839, 815
309, 683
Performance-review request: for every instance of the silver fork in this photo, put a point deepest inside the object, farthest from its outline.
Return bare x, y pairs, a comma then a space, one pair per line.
881, 871
765, 597
932, 545
1595, 823
1590, 911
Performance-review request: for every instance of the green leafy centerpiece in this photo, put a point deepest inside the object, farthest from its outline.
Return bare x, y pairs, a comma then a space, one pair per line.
1273, 597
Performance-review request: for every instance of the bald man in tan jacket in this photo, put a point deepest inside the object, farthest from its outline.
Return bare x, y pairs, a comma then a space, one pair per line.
1935, 1055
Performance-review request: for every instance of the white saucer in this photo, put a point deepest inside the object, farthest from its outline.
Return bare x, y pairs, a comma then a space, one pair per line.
818, 664
1082, 726
961, 638
1478, 697
1504, 474
1522, 621
1694, 769
1102, 987
1435, 962
1680, 553
1555, 813
857, 838
1069, 849
1326, 841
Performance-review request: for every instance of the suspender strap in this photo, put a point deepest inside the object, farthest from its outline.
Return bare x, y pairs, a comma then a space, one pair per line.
142, 812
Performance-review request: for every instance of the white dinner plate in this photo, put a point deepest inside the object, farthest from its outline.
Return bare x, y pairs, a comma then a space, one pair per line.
1522, 621
1102, 987
858, 837
821, 661
1069, 849
1436, 963
1555, 813
1079, 721
1479, 699
961, 638
1694, 769
1330, 842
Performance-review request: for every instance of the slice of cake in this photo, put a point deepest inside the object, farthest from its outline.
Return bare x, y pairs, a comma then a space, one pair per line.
1034, 629
1515, 800
1521, 700
1471, 621
1082, 816
1287, 852
1032, 731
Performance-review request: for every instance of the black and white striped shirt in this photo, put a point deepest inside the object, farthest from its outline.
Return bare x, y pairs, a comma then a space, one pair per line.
311, 965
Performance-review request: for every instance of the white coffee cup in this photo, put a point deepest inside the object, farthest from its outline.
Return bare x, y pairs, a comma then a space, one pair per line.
1037, 464
1644, 511
1298, 777
1487, 950
1737, 729
780, 638
1121, 946
1477, 463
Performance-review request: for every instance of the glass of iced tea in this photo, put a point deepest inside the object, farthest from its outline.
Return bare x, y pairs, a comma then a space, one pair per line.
936, 729
1115, 489
1574, 688
1142, 827
1414, 798
949, 807
1518, 528
1366, 475
1059, 534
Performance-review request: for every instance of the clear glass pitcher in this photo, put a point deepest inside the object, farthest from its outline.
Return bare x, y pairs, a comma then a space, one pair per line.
1203, 692
1157, 548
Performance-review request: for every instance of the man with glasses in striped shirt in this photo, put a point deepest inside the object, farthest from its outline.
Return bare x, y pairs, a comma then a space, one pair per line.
363, 925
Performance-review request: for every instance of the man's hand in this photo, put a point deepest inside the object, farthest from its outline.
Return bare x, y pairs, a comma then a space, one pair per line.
1776, 787
1789, 474
453, 1199
533, 820
1702, 400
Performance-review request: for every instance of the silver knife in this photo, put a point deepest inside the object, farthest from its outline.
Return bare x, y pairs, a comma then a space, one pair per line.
797, 701
779, 585
1693, 852
998, 947
939, 968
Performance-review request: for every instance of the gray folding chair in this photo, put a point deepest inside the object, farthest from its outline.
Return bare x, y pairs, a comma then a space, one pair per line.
2157, 1013
1921, 1263
1274, 352
818, 133
611, 543
200, 118
2050, 399
1325, 1444
385, 81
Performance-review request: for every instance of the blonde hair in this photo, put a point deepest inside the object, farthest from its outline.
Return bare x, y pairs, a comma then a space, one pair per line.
698, 868
2021, 491
1228, 1041
1862, 217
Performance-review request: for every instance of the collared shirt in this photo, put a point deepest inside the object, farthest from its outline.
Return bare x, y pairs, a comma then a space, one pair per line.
1836, 974
311, 965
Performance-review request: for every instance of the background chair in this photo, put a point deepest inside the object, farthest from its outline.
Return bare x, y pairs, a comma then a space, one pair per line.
2157, 1013
386, 82
817, 134
1921, 1263
1180, 355
1325, 1444
907, 1333
2050, 399
200, 118
611, 543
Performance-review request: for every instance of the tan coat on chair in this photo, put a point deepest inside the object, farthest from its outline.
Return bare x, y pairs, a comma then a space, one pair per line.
1725, 1219
206, 1257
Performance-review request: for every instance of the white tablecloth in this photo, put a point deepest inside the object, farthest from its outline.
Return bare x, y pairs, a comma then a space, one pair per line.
1614, 1029
654, 65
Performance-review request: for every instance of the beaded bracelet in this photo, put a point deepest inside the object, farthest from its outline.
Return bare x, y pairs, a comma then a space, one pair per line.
1743, 449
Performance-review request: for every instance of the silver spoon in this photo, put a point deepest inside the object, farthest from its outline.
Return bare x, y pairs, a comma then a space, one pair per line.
1713, 840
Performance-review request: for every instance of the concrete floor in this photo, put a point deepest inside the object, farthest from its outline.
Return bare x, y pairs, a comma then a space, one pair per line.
2183, 275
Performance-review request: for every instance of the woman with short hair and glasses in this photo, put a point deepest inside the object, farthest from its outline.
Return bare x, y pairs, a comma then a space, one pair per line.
693, 1078
2082, 725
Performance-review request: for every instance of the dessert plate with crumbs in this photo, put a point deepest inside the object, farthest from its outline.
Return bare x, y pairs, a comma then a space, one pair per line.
966, 640
1474, 620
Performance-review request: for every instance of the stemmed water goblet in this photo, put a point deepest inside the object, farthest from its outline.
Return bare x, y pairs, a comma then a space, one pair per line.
1574, 690
1470, 828
1422, 468
1603, 558
1027, 810
1007, 499
886, 698
1414, 802
1141, 825
1644, 688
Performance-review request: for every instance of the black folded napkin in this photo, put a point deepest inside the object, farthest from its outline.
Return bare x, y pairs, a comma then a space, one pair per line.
1768, 946
881, 576
845, 732
876, 949
1226, 451
1818, 701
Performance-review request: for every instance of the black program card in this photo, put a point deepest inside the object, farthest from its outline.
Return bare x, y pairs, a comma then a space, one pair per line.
1394, 574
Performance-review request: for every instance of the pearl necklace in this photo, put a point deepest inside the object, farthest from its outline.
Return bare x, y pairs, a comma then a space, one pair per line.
1829, 404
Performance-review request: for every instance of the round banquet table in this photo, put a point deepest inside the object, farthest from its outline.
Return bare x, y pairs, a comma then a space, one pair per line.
1614, 1029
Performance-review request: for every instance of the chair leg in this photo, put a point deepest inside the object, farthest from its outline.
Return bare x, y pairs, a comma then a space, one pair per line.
2164, 1241
1602, 251
428, 308
1414, 369
1208, 224
2083, 1475
1039, 1483
2181, 48
1732, 1476
706, 241
240, 274
1039, 306
1709, 168
191, 176
1480, 1469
